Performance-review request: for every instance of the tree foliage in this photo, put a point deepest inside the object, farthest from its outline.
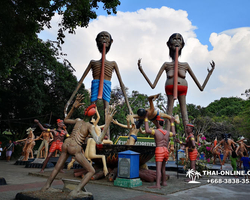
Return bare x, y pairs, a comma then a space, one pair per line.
38, 86
21, 20
226, 107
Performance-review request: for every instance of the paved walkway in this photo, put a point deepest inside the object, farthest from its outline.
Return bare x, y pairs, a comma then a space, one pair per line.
20, 179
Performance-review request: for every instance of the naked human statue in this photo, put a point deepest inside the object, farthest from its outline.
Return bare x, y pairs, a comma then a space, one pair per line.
46, 138
73, 144
28, 145
242, 147
90, 151
227, 143
102, 71
176, 84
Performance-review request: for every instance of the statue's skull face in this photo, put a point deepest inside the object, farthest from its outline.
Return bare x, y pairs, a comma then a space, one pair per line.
175, 40
104, 37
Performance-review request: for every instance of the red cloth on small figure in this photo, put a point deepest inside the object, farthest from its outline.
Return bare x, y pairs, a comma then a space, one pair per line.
161, 153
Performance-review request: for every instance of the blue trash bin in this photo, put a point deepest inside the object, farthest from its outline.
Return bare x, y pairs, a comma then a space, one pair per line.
202, 156
128, 164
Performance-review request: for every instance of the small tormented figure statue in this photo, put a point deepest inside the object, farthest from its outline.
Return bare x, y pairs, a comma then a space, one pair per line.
176, 84
227, 144
73, 144
215, 151
190, 144
171, 149
59, 135
90, 151
46, 138
242, 147
134, 128
153, 113
161, 151
29, 144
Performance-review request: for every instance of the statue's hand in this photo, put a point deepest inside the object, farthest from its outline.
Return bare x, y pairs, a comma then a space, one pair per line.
111, 113
172, 119
177, 140
213, 66
78, 100
139, 64
115, 121
36, 121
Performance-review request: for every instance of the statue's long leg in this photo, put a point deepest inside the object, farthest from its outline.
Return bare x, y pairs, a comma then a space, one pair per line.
62, 159
184, 114
169, 109
85, 164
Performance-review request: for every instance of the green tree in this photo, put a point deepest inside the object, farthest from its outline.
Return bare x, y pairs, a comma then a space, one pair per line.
21, 20
38, 86
226, 106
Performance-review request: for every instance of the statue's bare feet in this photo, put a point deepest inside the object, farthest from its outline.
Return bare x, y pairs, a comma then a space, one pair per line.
105, 171
50, 189
41, 171
153, 97
62, 171
177, 119
45, 188
155, 186
164, 183
75, 193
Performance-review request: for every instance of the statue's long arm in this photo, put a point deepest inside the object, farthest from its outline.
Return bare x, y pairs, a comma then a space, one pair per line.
218, 144
142, 131
77, 88
76, 105
99, 139
207, 78
97, 117
121, 125
21, 140
147, 79
38, 138
40, 125
123, 88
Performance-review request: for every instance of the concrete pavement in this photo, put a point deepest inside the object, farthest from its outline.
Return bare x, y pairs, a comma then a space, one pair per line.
20, 179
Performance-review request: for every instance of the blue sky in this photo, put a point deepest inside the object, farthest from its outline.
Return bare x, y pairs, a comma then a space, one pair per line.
212, 30
207, 15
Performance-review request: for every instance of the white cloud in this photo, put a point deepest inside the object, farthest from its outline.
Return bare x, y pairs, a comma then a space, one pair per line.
143, 34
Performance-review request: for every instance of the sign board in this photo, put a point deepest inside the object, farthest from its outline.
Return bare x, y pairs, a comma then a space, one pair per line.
124, 167
141, 141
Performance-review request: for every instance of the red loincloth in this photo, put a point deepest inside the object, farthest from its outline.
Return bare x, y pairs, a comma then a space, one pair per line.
182, 90
192, 155
161, 153
56, 145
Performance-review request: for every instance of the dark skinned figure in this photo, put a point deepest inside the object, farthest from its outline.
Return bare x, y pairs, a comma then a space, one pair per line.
176, 42
242, 147
227, 144
59, 135
190, 144
161, 151
105, 40
73, 144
